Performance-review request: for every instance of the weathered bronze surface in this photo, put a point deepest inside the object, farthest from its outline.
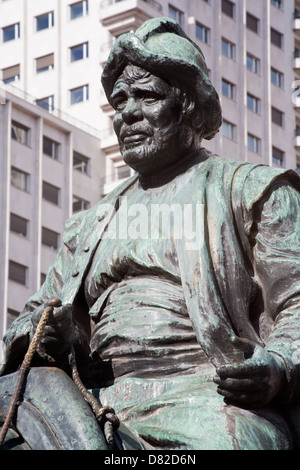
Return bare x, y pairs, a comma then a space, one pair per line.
180, 290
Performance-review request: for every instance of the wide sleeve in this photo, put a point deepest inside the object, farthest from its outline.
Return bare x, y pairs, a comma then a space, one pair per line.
18, 336
275, 236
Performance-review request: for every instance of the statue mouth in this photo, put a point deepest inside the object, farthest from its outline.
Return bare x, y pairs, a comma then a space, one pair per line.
135, 133
134, 139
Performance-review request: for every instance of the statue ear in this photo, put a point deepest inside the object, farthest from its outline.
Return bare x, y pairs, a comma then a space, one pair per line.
197, 120
193, 116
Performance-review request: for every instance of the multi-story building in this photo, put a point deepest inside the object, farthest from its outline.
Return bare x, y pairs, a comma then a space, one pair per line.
51, 56
54, 50
249, 48
49, 170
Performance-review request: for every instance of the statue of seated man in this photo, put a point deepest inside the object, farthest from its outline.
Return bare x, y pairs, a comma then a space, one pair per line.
180, 290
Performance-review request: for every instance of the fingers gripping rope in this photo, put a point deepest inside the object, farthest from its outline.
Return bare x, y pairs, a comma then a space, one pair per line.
26, 365
104, 415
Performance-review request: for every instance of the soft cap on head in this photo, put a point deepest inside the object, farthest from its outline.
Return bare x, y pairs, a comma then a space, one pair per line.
161, 47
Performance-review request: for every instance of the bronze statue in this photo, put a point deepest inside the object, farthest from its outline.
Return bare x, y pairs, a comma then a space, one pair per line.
179, 292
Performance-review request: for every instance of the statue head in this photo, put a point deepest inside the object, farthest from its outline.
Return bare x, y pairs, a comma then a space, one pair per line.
160, 58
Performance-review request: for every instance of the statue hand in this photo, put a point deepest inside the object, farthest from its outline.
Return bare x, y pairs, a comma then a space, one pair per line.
254, 382
57, 336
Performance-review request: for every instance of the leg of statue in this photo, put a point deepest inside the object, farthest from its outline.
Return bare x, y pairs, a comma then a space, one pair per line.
52, 414
187, 413
182, 413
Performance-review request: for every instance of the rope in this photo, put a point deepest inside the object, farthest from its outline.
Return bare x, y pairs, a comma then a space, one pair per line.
105, 416
26, 365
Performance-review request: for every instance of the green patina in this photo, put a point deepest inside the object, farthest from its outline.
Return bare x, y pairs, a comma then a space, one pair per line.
168, 316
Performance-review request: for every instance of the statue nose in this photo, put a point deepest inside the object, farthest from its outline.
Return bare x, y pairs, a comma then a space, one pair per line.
132, 111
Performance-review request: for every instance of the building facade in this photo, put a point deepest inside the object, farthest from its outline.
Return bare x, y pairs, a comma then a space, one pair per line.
49, 171
249, 48
54, 51
51, 56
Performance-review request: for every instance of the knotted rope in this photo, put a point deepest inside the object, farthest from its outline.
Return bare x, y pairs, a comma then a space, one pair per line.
105, 415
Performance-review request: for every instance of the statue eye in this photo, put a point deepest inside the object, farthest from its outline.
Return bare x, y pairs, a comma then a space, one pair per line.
120, 104
150, 99
119, 101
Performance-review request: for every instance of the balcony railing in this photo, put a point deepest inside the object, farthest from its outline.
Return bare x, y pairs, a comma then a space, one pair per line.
297, 136
156, 5
55, 111
296, 14
296, 19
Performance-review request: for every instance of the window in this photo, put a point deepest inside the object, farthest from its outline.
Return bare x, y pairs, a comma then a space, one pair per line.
51, 193
45, 21
176, 15
277, 117
17, 272
253, 64
50, 238
51, 148
277, 78
229, 130
202, 33
11, 316
277, 156
46, 103
228, 8
43, 278
122, 171
80, 94
12, 32
19, 179
20, 133
277, 3
79, 52
252, 23
11, 74
228, 89
18, 225
81, 163
253, 103
80, 204
79, 9
276, 38
254, 144
228, 49
45, 63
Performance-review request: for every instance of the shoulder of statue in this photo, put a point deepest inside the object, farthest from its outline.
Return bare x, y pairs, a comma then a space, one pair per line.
251, 182
250, 185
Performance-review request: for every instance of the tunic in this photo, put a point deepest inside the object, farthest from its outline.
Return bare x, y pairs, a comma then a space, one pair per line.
143, 327
235, 270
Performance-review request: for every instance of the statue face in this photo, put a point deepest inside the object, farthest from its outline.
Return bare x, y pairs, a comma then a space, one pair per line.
147, 119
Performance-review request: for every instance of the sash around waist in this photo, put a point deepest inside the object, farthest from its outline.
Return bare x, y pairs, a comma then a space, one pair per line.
144, 329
